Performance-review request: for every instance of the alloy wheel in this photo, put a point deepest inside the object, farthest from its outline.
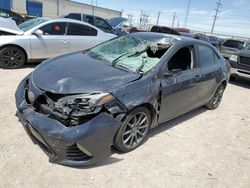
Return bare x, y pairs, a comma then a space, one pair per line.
136, 129
12, 58
218, 96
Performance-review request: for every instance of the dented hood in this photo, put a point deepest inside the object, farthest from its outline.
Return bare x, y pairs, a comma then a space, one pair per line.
9, 25
78, 73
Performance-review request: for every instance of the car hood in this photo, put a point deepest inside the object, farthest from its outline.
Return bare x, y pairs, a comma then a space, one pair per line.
9, 25
117, 21
79, 73
244, 53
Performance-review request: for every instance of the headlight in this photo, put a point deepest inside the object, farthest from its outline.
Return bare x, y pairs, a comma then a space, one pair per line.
80, 105
233, 58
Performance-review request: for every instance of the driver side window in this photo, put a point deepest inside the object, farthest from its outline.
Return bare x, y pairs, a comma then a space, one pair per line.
54, 28
182, 60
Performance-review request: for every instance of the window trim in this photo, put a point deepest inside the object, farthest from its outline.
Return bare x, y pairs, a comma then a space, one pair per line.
193, 56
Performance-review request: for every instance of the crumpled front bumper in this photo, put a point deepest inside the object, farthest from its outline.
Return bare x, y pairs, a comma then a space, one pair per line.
72, 146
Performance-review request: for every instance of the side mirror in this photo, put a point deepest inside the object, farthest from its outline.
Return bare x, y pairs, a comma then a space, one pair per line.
38, 33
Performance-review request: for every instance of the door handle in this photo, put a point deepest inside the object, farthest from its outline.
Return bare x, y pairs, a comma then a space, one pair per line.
64, 41
197, 78
93, 42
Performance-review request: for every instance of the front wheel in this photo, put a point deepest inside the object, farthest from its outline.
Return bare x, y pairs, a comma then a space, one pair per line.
216, 100
134, 130
12, 58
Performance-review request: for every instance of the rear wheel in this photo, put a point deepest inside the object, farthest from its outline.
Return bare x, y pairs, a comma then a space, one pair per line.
216, 100
12, 58
134, 130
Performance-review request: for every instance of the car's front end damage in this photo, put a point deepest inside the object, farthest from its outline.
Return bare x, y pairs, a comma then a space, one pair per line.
73, 130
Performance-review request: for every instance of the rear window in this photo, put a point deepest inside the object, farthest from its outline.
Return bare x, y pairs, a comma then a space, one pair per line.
74, 16
234, 44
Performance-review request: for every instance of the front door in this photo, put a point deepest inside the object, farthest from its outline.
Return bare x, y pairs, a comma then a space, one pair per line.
180, 91
53, 42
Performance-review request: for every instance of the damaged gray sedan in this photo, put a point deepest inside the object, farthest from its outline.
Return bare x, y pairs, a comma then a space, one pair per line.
77, 106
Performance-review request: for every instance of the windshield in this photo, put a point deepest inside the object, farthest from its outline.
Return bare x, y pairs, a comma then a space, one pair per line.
234, 44
131, 53
25, 26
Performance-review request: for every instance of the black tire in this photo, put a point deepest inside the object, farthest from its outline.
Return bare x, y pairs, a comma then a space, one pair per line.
216, 99
232, 78
134, 130
12, 58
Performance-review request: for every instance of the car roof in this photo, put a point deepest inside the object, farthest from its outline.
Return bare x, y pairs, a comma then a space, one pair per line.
159, 36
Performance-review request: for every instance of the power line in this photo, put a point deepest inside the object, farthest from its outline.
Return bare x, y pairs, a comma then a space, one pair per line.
187, 14
217, 11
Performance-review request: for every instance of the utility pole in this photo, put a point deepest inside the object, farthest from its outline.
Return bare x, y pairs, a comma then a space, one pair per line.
187, 14
93, 6
158, 18
57, 7
130, 19
178, 23
217, 11
174, 16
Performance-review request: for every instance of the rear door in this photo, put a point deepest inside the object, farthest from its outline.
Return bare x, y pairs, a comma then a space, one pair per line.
81, 36
180, 91
211, 71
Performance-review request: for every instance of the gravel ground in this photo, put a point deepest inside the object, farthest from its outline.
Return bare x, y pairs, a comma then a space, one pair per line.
200, 149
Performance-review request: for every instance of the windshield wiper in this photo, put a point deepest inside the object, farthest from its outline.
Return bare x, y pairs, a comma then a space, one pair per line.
144, 61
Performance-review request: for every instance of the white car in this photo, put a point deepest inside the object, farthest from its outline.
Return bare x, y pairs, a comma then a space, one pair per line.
43, 38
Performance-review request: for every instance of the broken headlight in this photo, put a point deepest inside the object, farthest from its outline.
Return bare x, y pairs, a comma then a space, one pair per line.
84, 104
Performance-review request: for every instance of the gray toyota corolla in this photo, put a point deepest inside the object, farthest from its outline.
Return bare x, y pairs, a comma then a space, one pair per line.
77, 106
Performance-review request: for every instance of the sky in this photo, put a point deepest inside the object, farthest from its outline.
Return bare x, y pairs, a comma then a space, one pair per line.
234, 16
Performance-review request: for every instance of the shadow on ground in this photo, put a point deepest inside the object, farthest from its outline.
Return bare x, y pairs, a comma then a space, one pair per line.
177, 121
241, 82
30, 65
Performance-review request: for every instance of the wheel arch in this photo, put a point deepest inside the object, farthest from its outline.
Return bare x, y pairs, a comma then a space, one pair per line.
149, 107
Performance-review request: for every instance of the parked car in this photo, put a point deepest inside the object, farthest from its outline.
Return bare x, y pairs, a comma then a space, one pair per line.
230, 46
43, 38
114, 93
240, 63
96, 21
9, 14
164, 29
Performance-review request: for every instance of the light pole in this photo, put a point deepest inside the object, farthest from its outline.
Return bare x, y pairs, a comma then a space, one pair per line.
187, 14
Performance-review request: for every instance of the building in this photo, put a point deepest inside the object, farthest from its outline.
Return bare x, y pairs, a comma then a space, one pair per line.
54, 8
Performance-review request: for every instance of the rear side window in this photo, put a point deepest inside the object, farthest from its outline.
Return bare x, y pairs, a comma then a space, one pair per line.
207, 56
74, 16
83, 30
234, 44
54, 28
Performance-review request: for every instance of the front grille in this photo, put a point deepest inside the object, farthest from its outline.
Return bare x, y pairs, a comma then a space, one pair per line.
75, 154
244, 61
